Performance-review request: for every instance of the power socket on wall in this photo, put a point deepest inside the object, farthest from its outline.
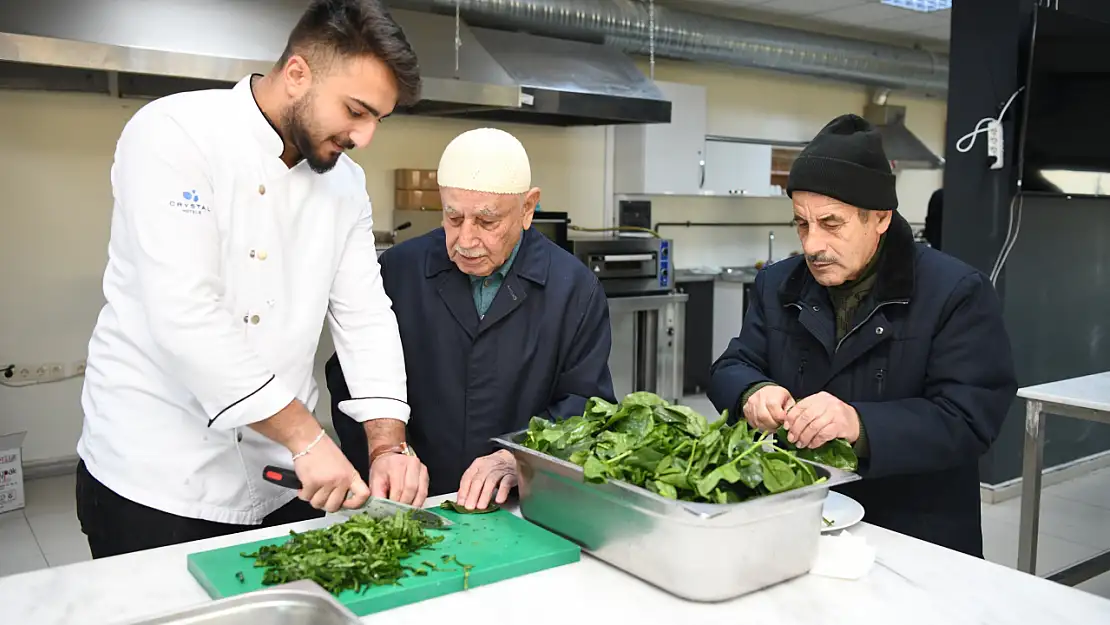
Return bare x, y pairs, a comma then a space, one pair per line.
23, 373
995, 144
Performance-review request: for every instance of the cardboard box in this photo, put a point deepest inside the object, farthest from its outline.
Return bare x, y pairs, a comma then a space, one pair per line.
416, 179
408, 199
11, 472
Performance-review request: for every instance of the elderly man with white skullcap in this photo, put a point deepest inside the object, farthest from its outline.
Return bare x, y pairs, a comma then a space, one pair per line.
498, 325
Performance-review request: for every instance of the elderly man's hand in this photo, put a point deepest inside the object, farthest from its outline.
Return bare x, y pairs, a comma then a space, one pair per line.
819, 418
766, 408
495, 472
401, 478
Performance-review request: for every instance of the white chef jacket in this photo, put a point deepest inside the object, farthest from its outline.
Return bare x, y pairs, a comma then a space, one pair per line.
222, 266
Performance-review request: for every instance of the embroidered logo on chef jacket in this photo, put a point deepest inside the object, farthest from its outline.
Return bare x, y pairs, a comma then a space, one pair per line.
191, 204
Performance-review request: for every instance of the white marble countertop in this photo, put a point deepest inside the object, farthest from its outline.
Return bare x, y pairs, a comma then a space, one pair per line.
911, 582
1088, 391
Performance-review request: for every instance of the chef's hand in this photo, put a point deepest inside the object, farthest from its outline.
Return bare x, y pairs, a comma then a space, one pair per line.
327, 476
400, 477
819, 418
766, 408
495, 472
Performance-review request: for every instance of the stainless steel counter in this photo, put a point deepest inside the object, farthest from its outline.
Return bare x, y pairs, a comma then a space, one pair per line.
727, 274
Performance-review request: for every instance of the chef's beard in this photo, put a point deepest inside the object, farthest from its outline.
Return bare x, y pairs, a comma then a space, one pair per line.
297, 127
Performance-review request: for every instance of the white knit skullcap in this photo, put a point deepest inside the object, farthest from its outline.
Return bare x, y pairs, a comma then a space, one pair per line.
487, 160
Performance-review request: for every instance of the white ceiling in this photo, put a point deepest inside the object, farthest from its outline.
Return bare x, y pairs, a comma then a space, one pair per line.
866, 15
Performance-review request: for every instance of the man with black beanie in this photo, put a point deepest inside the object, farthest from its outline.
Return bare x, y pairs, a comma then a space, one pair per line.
875, 339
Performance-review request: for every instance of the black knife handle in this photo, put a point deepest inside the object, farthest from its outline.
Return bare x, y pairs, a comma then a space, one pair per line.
281, 477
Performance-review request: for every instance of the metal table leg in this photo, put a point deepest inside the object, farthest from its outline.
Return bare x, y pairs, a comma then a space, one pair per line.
1032, 466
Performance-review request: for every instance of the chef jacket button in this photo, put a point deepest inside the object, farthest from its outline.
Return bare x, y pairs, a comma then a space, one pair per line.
262, 189
239, 437
879, 330
255, 319
252, 253
246, 319
262, 255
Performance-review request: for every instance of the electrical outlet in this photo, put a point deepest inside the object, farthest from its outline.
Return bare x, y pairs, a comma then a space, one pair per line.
995, 144
21, 374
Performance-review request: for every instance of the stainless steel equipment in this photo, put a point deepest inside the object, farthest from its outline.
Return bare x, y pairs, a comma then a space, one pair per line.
649, 336
627, 265
296, 603
133, 48
701, 552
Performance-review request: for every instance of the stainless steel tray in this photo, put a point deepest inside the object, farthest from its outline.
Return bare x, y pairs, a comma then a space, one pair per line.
697, 551
295, 603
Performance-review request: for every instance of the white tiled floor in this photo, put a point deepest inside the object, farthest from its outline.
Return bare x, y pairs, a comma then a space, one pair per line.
1075, 524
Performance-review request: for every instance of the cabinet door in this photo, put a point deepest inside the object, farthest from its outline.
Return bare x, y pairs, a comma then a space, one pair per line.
662, 159
737, 168
728, 314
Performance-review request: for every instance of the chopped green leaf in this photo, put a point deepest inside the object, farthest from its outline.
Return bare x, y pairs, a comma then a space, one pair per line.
354, 555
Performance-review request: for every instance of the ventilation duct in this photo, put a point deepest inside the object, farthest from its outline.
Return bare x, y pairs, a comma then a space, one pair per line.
150, 48
696, 37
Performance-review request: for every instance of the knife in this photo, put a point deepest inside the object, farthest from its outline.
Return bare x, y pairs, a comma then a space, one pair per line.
375, 507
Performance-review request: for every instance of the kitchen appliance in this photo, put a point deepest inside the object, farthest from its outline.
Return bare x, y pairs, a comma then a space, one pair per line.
648, 335
498, 545
697, 551
151, 48
626, 265
553, 225
374, 507
634, 214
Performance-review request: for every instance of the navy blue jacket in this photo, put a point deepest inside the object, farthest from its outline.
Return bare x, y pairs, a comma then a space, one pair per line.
541, 350
927, 365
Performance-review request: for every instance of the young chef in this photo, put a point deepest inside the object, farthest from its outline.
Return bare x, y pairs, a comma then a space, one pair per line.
238, 226
498, 323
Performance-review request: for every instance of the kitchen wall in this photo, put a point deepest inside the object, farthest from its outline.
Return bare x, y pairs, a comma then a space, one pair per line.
56, 151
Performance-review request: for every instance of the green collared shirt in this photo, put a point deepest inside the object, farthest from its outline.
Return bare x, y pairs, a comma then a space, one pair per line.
485, 288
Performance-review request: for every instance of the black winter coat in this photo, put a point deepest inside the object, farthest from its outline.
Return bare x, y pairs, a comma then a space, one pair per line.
927, 365
541, 350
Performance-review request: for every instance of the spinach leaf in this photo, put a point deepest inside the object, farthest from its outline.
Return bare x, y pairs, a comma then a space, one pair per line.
644, 399
675, 452
461, 509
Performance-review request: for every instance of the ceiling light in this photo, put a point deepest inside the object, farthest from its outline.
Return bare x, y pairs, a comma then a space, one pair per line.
921, 6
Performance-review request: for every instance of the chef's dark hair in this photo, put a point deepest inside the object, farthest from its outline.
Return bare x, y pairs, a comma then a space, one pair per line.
350, 28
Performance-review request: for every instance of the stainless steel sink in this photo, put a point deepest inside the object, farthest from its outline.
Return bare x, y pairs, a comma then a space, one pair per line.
297, 603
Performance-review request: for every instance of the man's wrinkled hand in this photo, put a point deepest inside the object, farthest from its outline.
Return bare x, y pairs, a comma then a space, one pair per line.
766, 408
487, 475
400, 478
326, 478
820, 418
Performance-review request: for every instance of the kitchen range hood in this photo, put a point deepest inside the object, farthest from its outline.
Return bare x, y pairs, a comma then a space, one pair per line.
900, 144
151, 48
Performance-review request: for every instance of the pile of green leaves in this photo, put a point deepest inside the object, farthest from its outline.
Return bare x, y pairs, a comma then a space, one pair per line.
675, 452
353, 555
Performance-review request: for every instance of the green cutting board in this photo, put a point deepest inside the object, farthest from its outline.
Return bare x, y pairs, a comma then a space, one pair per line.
499, 545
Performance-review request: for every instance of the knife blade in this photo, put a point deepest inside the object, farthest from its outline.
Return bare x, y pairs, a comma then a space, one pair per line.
375, 507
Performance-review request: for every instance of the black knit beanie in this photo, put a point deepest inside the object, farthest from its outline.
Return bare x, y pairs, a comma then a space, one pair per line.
845, 161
